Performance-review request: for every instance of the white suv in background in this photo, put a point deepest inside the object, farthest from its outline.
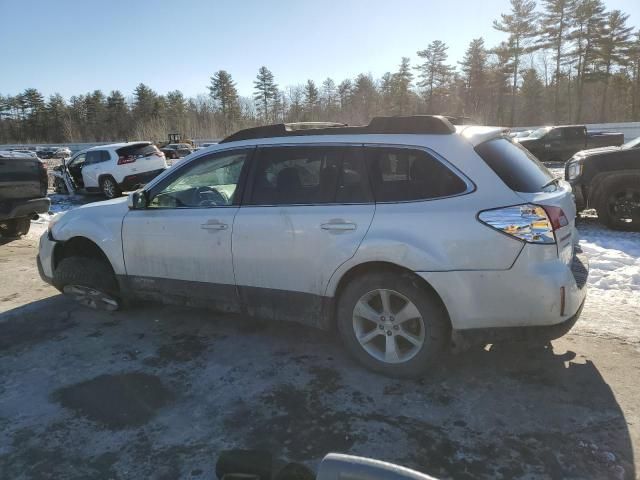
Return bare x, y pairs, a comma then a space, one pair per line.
407, 235
112, 169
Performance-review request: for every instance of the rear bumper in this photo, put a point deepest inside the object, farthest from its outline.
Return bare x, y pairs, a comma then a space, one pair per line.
131, 182
23, 208
527, 296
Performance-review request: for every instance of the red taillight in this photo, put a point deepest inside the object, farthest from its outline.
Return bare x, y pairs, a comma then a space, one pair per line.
556, 216
123, 160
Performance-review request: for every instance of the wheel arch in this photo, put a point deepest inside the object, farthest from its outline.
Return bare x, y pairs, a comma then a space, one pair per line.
599, 184
382, 266
79, 246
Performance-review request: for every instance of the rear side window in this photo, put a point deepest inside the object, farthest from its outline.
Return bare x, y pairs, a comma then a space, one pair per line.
97, 156
139, 150
309, 175
515, 165
402, 174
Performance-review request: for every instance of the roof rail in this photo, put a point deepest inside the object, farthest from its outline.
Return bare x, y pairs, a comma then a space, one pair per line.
414, 124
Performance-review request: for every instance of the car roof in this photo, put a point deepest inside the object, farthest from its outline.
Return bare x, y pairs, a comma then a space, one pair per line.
117, 145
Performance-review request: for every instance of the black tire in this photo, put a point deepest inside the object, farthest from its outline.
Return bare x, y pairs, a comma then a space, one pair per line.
437, 332
15, 227
610, 211
109, 187
90, 273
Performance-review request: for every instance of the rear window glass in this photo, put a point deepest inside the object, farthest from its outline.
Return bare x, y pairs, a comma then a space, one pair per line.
516, 166
401, 174
140, 150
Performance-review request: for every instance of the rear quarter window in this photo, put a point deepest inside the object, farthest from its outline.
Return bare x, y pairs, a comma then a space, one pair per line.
405, 174
515, 165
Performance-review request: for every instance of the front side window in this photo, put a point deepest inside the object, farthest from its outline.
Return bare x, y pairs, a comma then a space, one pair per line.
310, 175
209, 182
404, 174
77, 161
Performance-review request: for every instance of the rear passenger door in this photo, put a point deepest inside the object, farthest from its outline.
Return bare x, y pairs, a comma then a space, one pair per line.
93, 166
306, 212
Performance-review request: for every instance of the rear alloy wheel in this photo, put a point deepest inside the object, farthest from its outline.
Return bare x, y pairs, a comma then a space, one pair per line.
391, 324
390, 334
110, 188
620, 205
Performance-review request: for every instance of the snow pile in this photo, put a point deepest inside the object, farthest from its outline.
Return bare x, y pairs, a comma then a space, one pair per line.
613, 300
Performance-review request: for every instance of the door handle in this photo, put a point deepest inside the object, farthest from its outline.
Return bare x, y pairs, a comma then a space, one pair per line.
214, 225
338, 226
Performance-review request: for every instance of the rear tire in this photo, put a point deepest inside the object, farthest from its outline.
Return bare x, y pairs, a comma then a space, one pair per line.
619, 203
15, 227
88, 281
406, 337
110, 188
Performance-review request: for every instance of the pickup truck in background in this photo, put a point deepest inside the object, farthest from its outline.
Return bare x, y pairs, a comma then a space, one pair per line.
559, 144
23, 192
608, 179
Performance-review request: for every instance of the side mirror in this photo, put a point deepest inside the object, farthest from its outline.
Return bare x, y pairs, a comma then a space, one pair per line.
137, 200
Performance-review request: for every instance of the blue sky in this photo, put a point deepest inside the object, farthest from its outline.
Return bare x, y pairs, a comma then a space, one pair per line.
72, 47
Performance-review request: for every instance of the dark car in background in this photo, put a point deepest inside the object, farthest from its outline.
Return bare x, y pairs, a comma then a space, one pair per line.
23, 192
177, 150
560, 143
608, 179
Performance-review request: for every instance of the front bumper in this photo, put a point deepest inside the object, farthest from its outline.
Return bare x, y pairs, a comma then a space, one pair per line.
528, 295
45, 257
23, 208
132, 182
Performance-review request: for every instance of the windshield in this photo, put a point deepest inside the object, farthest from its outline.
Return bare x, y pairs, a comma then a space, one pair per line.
635, 143
539, 133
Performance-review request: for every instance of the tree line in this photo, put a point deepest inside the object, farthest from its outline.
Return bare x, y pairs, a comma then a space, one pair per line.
561, 61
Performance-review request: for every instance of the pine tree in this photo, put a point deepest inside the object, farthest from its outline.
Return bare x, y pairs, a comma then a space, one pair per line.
345, 91
402, 80
613, 47
117, 116
223, 91
634, 55
311, 100
554, 34
56, 111
329, 93
474, 71
531, 93
265, 92
520, 24
144, 104
588, 20
434, 72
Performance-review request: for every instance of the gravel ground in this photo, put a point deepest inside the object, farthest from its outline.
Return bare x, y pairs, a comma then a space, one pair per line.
158, 392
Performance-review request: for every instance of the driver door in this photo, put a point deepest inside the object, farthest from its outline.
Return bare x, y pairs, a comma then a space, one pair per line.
179, 246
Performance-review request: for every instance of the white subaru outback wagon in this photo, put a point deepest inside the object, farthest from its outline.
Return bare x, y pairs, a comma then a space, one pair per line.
406, 235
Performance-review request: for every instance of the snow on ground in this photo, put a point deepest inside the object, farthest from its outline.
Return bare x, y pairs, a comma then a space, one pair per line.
613, 301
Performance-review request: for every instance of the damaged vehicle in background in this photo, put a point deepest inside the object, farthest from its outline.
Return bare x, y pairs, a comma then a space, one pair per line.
608, 180
109, 169
406, 235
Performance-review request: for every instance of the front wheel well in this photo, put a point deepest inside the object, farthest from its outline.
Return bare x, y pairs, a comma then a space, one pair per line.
78, 247
370, 267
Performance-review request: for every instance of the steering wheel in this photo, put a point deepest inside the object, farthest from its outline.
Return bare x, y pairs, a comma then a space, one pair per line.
206, 196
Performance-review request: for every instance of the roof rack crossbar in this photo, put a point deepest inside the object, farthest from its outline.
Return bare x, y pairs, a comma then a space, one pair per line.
415, 124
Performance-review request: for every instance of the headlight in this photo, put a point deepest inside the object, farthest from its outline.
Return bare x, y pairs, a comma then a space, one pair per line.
574, 169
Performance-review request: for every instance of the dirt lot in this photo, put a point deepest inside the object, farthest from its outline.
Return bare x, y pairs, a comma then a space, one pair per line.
156, 392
